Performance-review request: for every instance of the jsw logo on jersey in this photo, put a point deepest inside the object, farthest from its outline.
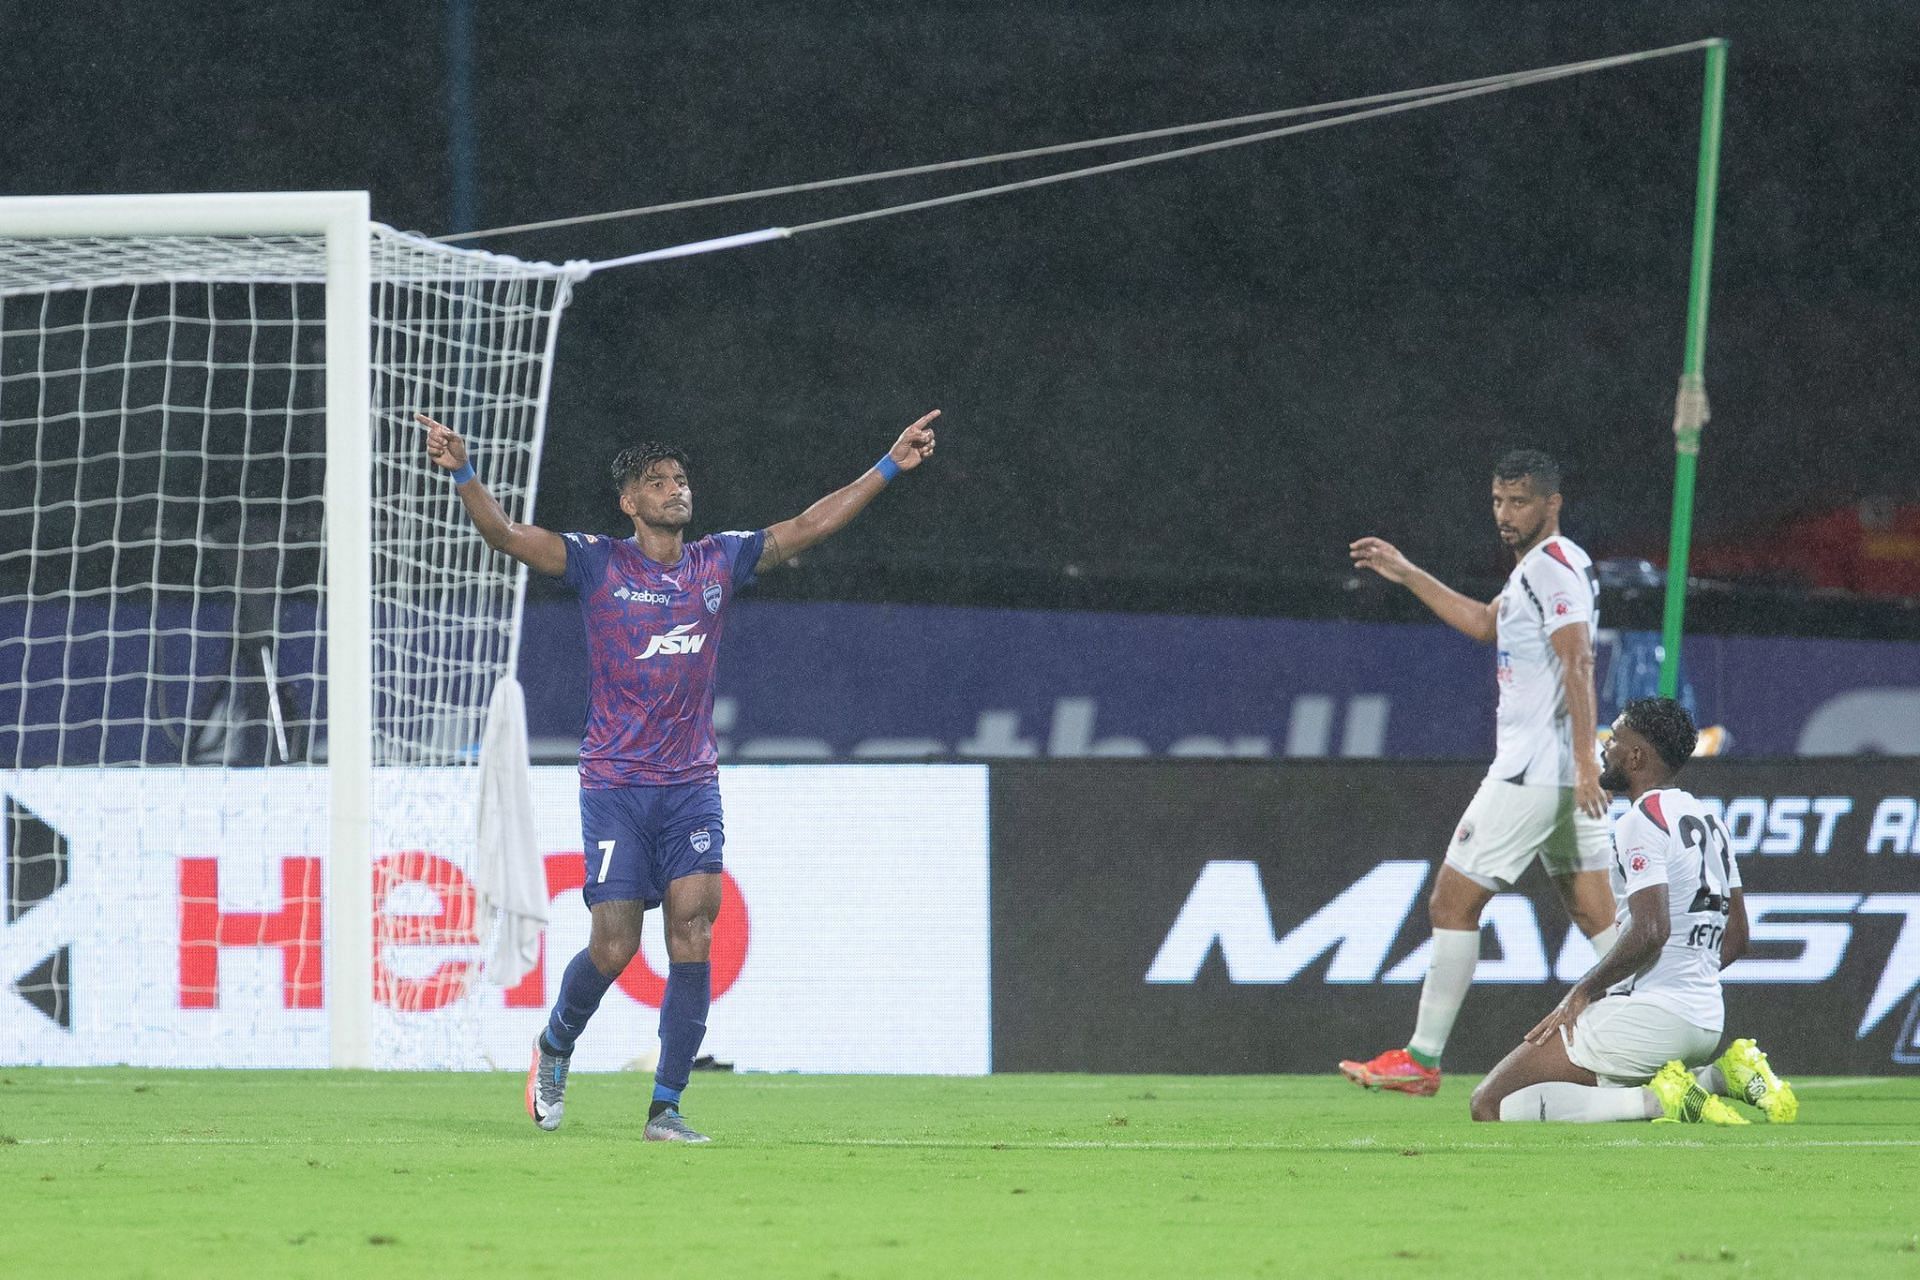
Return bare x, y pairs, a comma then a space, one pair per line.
1227, 909
675, 641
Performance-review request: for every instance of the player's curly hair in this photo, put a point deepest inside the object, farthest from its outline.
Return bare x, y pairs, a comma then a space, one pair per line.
632, 463
1522, 464
1666, 724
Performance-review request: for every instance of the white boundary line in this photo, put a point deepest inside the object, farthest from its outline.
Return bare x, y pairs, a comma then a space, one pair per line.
943, 1144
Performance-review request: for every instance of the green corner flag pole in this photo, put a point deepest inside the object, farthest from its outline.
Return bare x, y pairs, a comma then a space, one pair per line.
1690, 406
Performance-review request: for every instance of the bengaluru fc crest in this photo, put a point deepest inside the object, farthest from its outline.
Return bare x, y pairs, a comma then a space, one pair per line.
711, 594
701, 840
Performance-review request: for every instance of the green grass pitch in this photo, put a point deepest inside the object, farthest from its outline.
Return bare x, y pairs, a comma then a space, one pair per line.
206, 1173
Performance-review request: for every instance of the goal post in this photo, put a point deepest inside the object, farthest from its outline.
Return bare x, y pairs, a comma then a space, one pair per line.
349, 514
211, 486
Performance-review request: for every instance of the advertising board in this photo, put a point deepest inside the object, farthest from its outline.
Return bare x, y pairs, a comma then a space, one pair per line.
176, 917
1217, 917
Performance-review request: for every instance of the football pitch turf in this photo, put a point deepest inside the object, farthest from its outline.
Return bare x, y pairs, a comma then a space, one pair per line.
120, 1172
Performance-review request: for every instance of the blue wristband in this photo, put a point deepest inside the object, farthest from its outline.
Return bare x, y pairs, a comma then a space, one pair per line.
464, 474
887, 467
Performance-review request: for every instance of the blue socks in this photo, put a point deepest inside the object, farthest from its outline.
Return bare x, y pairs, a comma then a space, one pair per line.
683, 1019
580, 993
683, 1025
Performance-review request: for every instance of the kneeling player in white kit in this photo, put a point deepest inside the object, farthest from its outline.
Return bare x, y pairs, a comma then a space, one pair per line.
1634, 1039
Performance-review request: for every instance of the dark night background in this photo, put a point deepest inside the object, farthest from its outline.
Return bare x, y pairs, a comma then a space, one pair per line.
1178, 386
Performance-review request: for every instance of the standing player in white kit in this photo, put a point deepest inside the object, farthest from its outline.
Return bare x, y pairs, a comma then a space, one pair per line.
1542, 797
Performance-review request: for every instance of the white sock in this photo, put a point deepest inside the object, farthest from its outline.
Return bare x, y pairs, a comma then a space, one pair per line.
1456, 952
1713, 1080
1603, 941
1579, 1103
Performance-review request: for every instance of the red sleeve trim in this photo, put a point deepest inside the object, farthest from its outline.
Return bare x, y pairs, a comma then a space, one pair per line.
1650, 805
1553, 549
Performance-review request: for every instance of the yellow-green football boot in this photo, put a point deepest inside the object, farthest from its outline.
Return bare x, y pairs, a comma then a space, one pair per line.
1685, 1102
1749, 1077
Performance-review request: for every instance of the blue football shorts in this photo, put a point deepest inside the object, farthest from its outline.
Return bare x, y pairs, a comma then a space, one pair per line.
641, 839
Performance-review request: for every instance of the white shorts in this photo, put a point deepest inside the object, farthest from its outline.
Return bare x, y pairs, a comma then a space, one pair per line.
1507, 825
1625, 1041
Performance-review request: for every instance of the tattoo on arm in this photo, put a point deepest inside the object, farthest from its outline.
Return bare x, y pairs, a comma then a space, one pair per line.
771, 556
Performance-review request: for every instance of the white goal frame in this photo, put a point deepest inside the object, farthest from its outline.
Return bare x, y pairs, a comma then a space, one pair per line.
343, 217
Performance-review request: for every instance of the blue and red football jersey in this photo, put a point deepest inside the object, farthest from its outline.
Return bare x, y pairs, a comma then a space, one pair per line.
653, 643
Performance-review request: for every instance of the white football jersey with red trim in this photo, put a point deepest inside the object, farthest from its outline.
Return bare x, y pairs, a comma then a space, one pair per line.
1553, 586
1667, 837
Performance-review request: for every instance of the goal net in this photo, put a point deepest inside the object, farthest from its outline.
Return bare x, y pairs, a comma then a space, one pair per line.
247, 635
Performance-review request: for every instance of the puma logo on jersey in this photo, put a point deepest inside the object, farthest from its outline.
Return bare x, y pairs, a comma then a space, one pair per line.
674, 641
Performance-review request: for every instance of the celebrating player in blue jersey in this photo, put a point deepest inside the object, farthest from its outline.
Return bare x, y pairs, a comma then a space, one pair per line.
649, 791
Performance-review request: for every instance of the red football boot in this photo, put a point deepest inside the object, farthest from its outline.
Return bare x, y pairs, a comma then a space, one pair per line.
1394, 1069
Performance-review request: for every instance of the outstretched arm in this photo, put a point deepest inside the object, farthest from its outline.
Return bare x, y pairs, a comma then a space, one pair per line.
537, 548
1462, 613
833, 513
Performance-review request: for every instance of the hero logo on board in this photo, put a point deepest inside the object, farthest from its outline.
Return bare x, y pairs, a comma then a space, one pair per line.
1227, 909
402, 883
